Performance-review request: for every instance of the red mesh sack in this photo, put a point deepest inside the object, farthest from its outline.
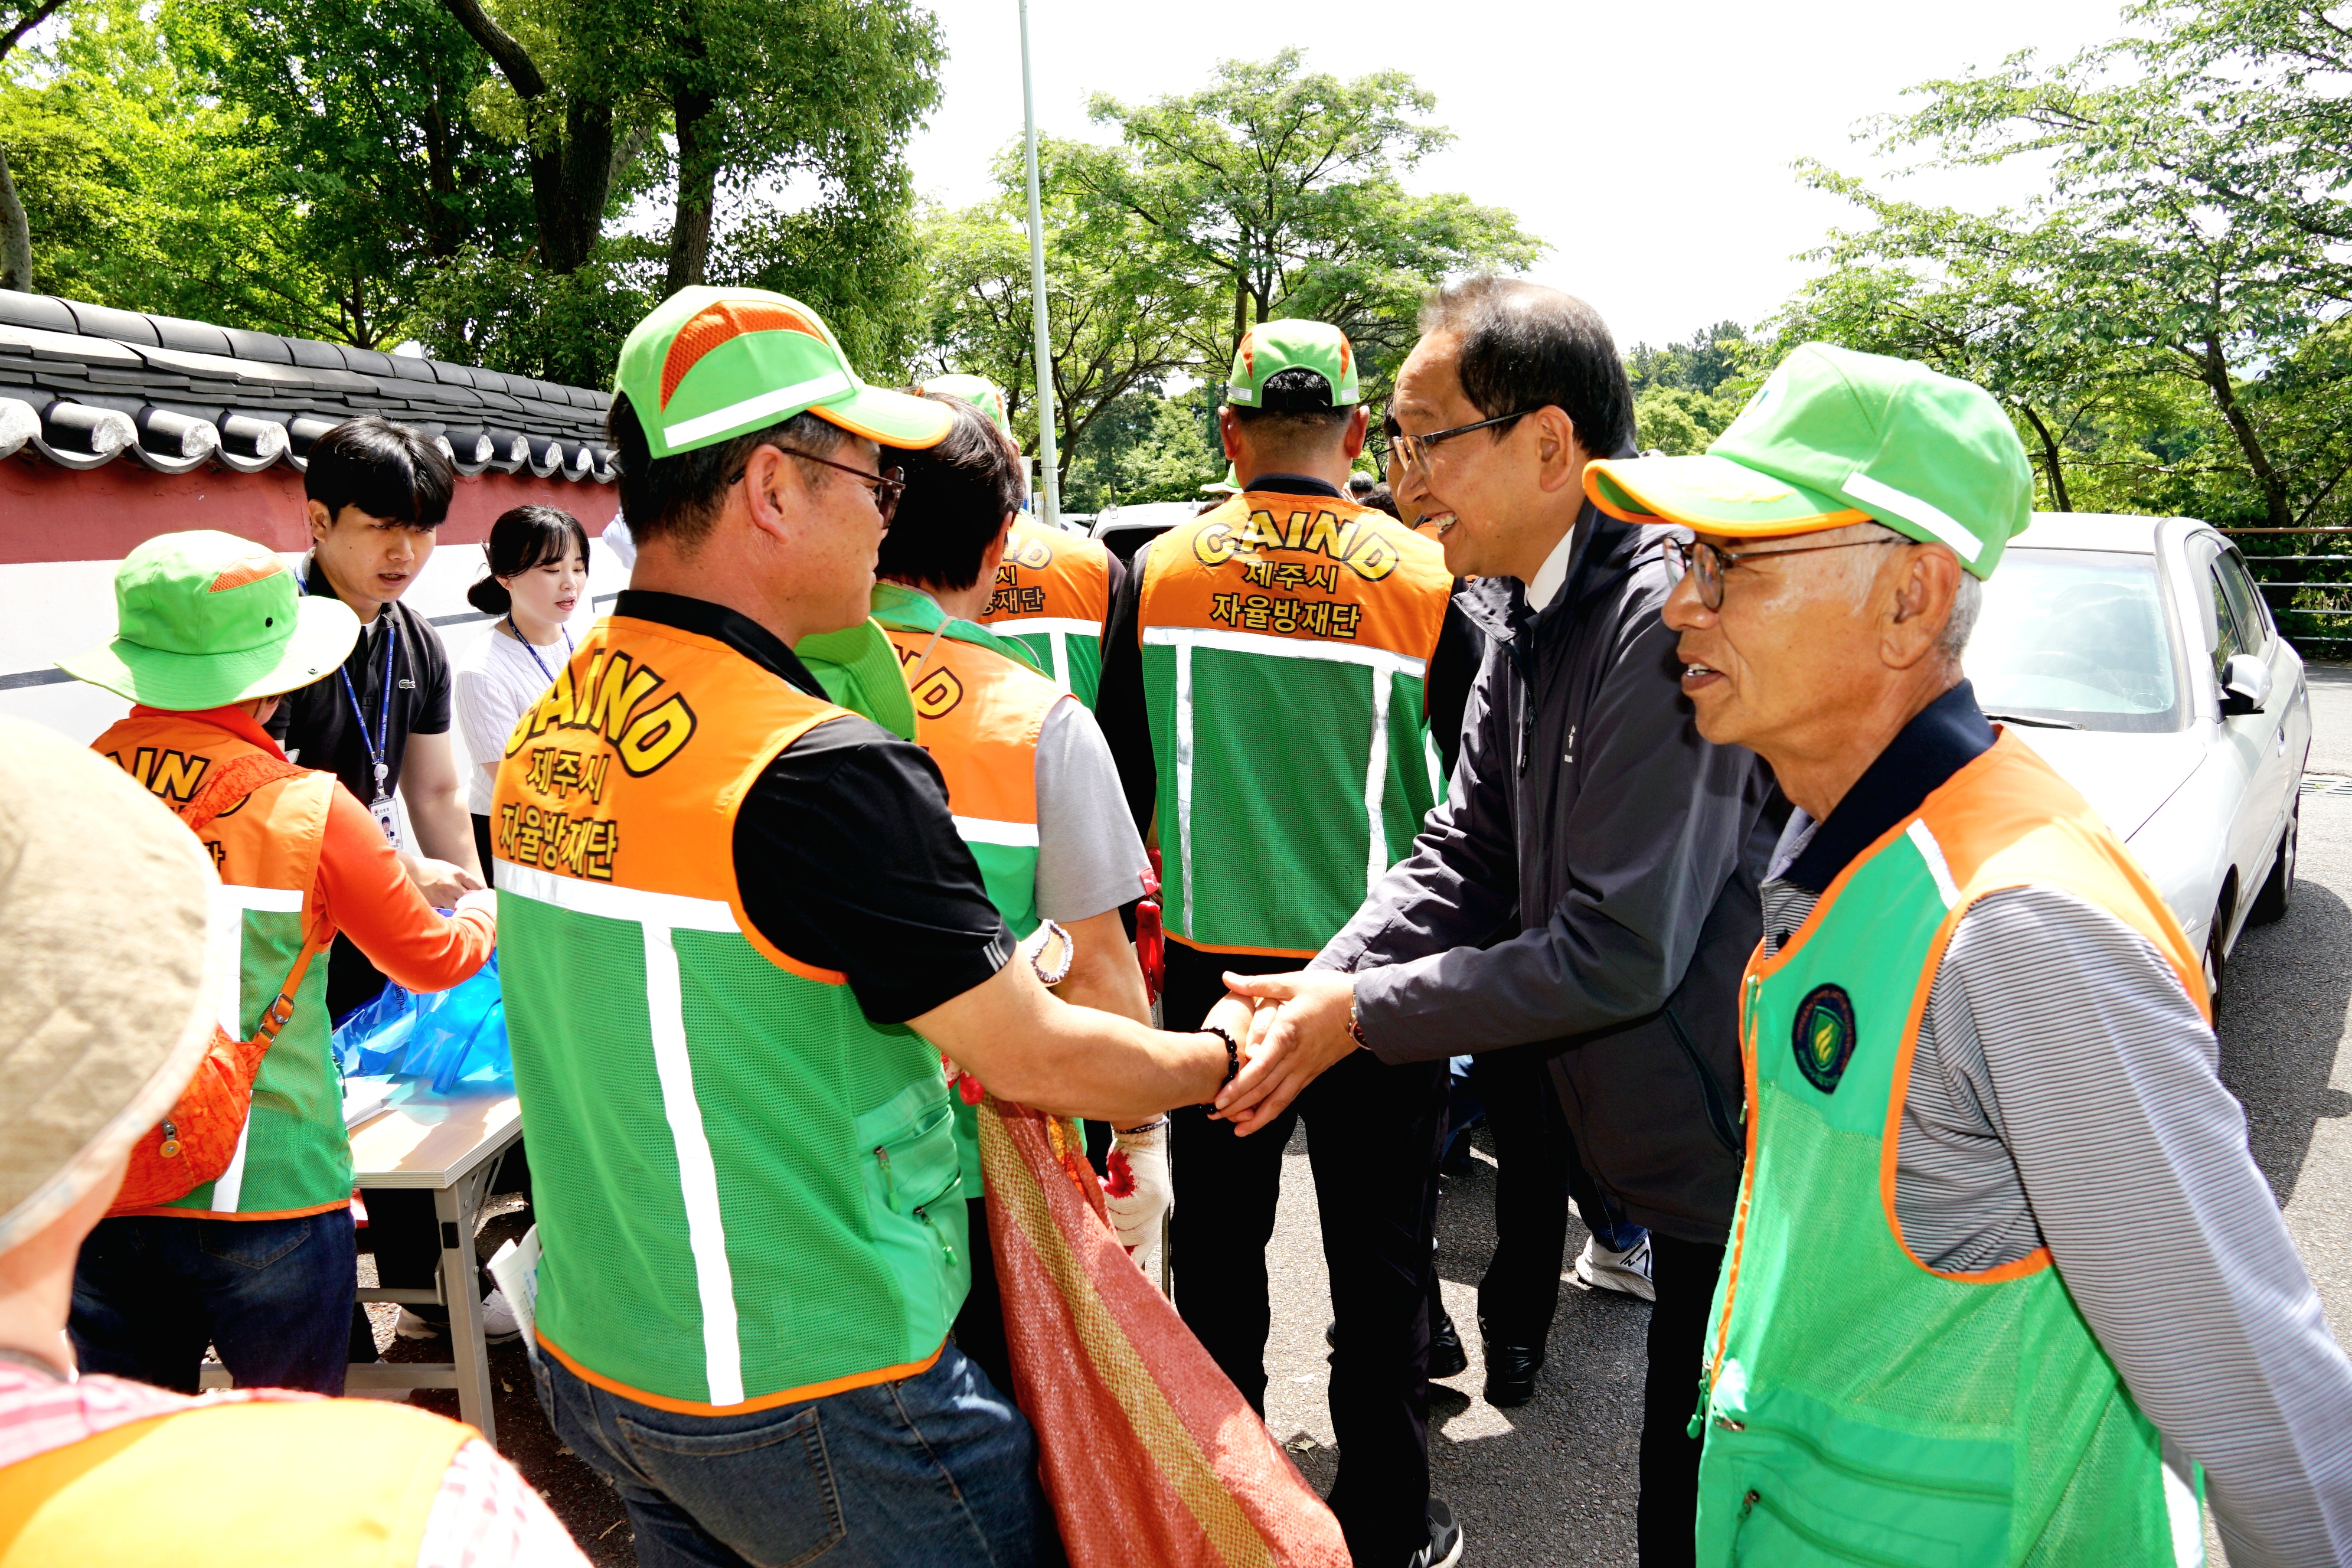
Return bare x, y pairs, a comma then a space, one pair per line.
1148, 1452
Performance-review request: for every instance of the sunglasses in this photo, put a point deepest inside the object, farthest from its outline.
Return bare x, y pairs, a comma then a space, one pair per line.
888, 485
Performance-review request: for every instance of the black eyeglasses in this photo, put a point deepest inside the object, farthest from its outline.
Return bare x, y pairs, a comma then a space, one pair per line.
1705, 562
888, 485
1413, 451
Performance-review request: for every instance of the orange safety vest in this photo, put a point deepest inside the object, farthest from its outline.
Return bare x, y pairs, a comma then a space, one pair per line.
1052, 596
302, 1483
294, 1157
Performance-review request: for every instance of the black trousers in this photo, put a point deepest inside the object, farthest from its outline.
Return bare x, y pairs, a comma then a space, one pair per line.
1520, 1290
1374, 1135
1667, 1518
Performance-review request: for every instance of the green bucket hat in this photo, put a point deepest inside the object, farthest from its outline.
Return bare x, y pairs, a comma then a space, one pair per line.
204, 619
710, 364
980, 392
1837, 437
1272, 347
1230, 484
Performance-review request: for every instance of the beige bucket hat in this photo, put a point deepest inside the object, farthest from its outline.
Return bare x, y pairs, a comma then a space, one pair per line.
104, 896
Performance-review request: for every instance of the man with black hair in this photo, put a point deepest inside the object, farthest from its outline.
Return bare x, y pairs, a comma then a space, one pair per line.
1033, 787
742, 932
374, 491
1587, 892
1272, 687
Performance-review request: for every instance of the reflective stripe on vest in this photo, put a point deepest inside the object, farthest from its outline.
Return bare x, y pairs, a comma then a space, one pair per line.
1861, 1407
280, 1483
1286, 642
293, 1156
716, 1111
1052, 596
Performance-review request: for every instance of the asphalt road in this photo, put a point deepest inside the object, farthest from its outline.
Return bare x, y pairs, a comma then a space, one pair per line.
1553, 1481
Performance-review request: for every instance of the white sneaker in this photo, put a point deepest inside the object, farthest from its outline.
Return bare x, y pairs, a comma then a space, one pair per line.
498, 1324
1596, 1268
411, 1327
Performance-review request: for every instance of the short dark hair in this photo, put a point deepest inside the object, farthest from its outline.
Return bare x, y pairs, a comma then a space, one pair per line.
383, 468
1293, 405
1525, 347
957, 495
678, 498
523, 537
1379, 499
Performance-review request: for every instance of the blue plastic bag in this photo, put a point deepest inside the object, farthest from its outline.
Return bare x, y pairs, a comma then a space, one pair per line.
456, 1038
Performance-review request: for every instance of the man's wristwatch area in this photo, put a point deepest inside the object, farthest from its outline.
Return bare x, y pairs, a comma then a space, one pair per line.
1355, 1021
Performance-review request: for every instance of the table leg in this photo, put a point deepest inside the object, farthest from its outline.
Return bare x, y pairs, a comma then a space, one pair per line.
458, 1208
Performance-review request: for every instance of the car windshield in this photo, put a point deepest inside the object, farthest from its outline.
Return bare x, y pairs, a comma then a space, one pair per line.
2077, 639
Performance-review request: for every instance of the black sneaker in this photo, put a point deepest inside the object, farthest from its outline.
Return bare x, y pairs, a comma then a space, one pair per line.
1444, 1548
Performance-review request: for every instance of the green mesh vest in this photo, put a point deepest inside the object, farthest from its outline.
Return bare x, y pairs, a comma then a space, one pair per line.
1861, 1408
747, 1194
293, 1156
980, 708
1286, 643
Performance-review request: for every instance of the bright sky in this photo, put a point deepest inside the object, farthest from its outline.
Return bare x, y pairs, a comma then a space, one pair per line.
1650, 146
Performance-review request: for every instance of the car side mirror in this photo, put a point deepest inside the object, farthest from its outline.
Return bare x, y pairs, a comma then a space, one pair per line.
2245, 685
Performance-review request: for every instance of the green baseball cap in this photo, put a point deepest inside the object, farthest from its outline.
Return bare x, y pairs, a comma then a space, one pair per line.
205, 619
710, 364
1272, 347
980, 392
1837, 437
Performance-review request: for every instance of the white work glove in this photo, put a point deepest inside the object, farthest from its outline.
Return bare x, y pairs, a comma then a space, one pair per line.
1136, 1192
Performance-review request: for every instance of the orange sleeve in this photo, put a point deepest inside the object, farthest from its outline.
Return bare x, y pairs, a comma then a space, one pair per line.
362, 891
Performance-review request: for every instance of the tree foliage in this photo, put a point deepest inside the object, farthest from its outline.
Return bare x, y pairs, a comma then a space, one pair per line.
1281, 189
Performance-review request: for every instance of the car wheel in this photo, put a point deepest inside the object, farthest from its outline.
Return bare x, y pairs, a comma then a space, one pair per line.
2215, 960
2278, 892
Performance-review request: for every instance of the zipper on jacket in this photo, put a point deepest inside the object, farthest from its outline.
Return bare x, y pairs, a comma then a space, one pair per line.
890, 1187
1822, 1543
937, 1235
1710, 1087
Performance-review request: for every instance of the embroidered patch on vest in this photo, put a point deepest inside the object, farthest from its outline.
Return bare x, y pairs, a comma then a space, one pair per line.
1825, 1036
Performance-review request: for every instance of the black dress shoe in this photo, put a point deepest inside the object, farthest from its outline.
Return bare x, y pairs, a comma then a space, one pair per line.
1511, 1372
1447, 1356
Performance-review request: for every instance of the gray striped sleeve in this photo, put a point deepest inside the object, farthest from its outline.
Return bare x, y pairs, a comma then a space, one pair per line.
2098, 1075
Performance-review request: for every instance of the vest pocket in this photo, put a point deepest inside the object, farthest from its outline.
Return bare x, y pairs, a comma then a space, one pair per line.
913, 1178
1805, 1486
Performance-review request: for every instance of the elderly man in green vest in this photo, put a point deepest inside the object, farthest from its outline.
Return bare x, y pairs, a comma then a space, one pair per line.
2005, 1285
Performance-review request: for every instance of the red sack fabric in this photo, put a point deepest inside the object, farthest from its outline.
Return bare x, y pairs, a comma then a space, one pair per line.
1148, 1452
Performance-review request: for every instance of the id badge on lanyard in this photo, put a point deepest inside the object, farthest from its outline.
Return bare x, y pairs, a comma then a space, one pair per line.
387, 815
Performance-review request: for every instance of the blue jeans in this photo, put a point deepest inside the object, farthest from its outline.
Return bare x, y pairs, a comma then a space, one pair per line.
273, 1296
936, 1471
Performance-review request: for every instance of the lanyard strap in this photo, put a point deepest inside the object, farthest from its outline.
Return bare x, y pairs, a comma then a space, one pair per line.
378, 745
534, 652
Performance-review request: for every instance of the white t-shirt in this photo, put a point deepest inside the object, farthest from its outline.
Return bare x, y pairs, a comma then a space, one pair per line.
494, 680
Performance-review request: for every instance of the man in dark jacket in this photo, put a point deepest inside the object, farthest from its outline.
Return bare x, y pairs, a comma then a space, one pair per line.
1587, 815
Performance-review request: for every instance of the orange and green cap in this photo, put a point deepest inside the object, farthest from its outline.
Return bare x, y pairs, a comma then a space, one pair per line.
1837, 437
710, 364
981, 392
1272, 347
204, 619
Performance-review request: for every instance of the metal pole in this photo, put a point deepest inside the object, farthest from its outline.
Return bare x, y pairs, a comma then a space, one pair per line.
1043, 351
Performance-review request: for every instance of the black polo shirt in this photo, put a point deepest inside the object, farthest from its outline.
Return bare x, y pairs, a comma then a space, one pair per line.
846, 853
320, 724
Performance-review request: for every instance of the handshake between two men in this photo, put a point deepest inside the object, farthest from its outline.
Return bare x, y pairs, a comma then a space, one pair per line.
1292, 1028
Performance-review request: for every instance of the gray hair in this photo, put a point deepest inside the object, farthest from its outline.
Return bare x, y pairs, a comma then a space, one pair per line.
1968, 600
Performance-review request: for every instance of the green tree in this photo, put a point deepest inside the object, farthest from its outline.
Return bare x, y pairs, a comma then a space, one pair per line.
141, 188
1143, 446
16, 231
1280, 190
1122, 316
359, 111
2193, 229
